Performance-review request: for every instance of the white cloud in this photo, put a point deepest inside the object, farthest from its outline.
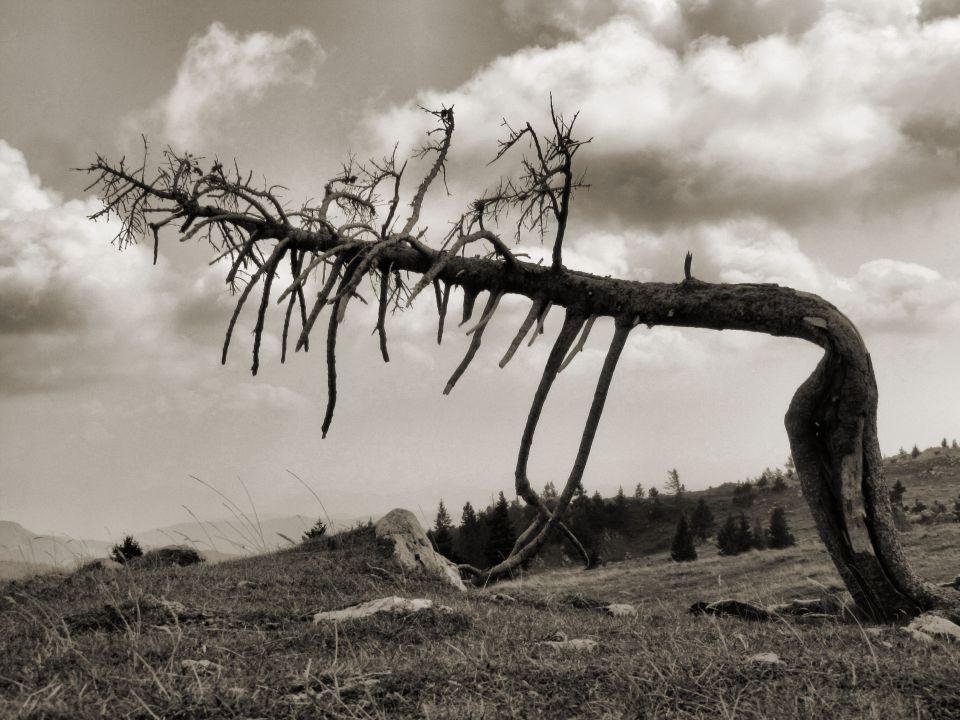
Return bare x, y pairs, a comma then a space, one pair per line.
857, 108
890, 295
75, 311
222, 72
753, 250
884, 295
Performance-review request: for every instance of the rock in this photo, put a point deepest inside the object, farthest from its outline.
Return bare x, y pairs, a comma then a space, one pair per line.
917, 635
412, 547
246, 584
765, 658
503, 598
200, 666
620, 610
559, 641
935, 627
390, 604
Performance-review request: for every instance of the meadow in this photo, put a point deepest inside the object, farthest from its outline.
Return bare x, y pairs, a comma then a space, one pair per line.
237, 640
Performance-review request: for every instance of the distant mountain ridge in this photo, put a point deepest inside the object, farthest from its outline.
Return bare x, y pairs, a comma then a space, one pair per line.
23, 552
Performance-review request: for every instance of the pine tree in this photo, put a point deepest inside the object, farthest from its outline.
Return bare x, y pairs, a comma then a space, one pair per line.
674, 486
943, 444
319, 529
897, 492
779, 533
727, 537
549, 491
501, 533
638, 492
682, 548
126, 550
954, 446
759, 536
471, 537
744, 534
442, 535
619, 512
915, 453
701, 523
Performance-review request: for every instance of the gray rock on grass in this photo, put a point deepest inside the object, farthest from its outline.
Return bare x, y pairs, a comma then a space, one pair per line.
412, 547
389, 604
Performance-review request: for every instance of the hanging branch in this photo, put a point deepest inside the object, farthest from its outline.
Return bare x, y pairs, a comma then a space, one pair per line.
488, 311
525, 326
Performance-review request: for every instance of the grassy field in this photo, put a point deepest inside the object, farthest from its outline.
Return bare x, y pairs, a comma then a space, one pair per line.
100, 643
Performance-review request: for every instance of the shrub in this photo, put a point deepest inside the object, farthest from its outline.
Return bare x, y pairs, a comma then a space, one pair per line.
126, 550
172, 556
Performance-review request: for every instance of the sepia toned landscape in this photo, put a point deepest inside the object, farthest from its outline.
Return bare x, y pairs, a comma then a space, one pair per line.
521, 359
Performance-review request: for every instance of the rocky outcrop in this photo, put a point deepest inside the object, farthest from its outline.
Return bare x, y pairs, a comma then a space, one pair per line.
412, 547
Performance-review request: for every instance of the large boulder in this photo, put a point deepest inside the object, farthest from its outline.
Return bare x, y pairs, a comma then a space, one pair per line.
412, 547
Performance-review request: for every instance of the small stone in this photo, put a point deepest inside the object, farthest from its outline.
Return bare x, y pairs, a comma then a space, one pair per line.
502, 598
391, 604
574, 644
935, 626
246, 584
620, 610
200, 666
917, 635
765, 658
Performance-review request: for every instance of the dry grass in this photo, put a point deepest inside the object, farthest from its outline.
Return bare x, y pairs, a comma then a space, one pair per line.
99, 643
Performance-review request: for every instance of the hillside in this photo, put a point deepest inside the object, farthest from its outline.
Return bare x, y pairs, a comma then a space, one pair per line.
236, 640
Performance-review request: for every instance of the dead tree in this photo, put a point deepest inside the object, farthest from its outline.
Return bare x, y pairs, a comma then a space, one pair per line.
358, 233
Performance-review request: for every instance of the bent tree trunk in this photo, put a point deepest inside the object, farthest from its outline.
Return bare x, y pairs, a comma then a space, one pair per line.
831, 422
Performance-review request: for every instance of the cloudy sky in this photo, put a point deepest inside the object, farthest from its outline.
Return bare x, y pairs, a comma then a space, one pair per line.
812, 143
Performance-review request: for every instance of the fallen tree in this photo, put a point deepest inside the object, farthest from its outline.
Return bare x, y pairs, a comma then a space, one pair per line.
353, 233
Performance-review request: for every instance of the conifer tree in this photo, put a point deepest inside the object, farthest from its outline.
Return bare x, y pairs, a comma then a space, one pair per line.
442, 535
319, 529
779, 533
682, 549
897, 492
126, 550
744, 534
638, 492
674, 486
701, 523
501, 536
470, 539
915, 453
727, 540
759, 536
